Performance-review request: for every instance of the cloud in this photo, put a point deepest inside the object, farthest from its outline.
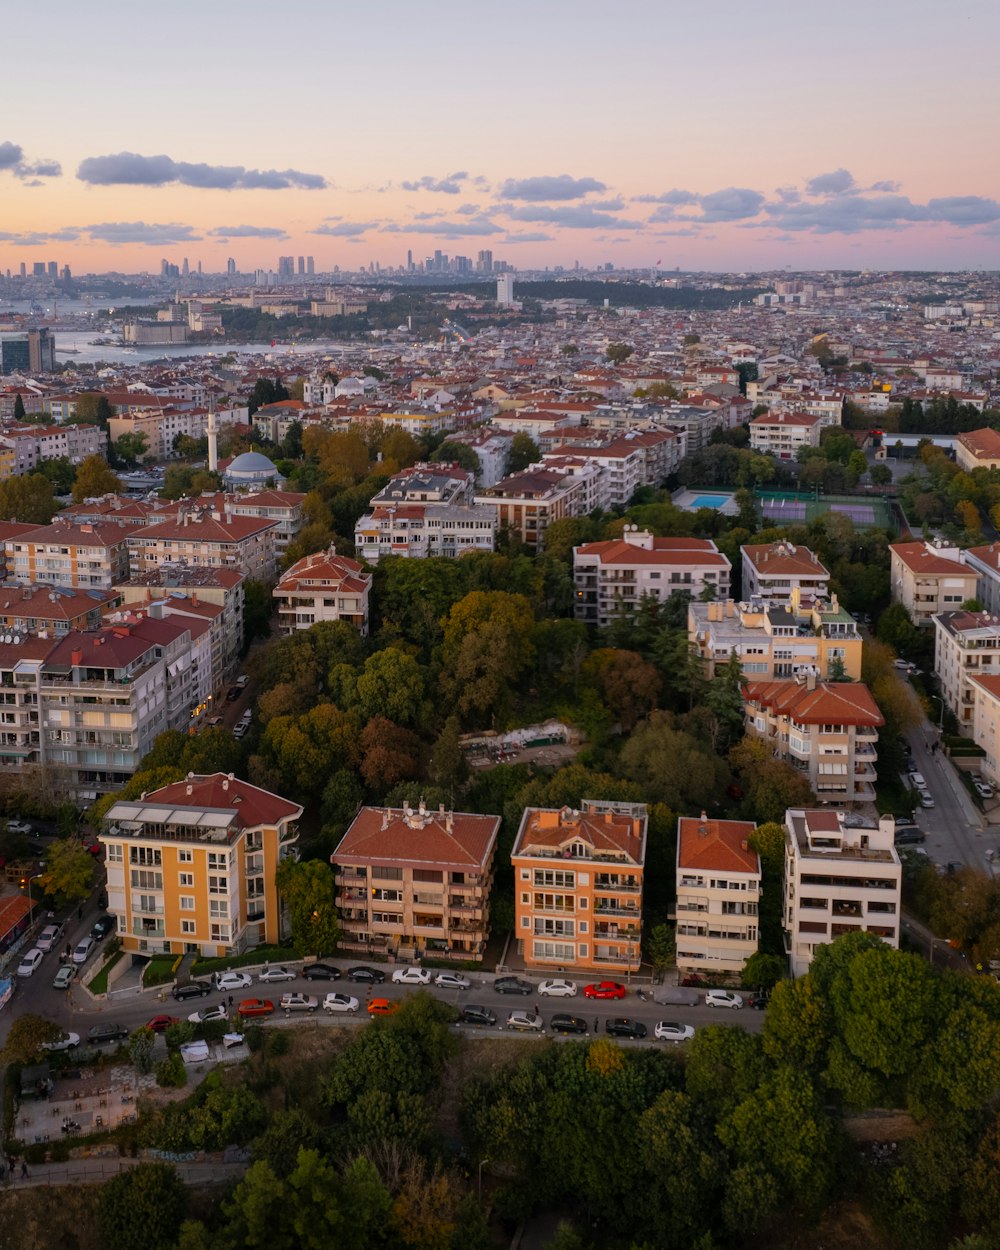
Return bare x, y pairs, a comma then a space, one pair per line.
964, 210
444, 229
346, 229
835, 183
551, 187
11, 154
248, 232
468, 210
12, 161
675, 197
153, 233
571, 217
443, 186
530, 236
847, 214
731, 204
607, 206
884, 186
36, 237
131, 169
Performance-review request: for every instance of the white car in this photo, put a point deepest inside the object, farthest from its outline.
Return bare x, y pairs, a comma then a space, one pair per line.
411, 976
67, 1042
340, 1002
525, 1022
983, 789
82, 950
278, 973
232, 980
29, 962
209, 1013
298, 1002
723, 998
452, 981
19, 826
917, 780
557, 989
926, 798
669, 1031
48, 937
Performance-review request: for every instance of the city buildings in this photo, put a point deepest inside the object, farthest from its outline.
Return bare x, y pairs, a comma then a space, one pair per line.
718, 895
191, 867
928, 578
34, 444
978, 449
411, 882
771, 571
81, 557
839, 879
578, 886
828, 731
782, 434
966, 646
323, 587
527, 503
209, 538
615, 576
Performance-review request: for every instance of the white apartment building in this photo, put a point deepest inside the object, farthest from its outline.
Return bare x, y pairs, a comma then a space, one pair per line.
985, 563
782, 434
718, 895
416, 530
772, 571
966, 646
622, 462
986, 722
826, 730
614, 576
928, 578
492, 448
32, 445
283, 507
323, 587
838, 880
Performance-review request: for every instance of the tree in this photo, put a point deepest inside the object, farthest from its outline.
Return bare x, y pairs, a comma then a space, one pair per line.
308, 889
26, 1037
128, 449
258, 605
618, 353
393, 685
523, 451
448, 767
762, 971
27, 498
460, 454
880, 474
94, 478
60, 473
389, 755
629, 686
488, 647
69, 874
140, 1048
661, 948
142, 1208
18, 407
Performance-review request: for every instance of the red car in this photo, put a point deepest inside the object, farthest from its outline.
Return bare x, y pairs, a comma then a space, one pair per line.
256, 1007
160, 1024
605, 989
382, 1007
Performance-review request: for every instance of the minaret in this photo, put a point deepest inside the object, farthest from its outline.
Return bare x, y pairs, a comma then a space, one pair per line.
213, 441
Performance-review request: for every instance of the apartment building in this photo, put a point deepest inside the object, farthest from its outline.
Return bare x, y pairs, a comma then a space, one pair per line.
162, 424
622, 462
718, 894
492, 448
777, 642
527, 503
10, 530
978, 449
771, 571
323, 587
578, 882
986, 722
83, 557
428, 483
283, 507
966, 646
616, 575
985, 563
111, 510
52, 610
34, 444
191, 867
928, 578
416, 530
782, 434
192, 592
209, 538
838, 880
414, 882
826, 730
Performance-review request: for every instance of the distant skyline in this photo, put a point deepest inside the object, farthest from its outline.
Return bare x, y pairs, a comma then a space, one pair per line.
724, 136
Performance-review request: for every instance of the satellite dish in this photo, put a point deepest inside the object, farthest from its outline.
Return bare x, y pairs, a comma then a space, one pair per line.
8, 638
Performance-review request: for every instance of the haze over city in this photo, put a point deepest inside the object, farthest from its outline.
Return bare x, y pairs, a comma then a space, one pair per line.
702, 137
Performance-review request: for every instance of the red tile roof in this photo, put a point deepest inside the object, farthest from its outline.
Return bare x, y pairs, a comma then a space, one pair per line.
224, 792
777, 559
456, 841
553, 829
716, 845
830, 703
665, 551
920, 558
983, 444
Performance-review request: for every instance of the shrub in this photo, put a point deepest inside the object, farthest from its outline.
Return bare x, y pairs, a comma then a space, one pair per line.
170, 1072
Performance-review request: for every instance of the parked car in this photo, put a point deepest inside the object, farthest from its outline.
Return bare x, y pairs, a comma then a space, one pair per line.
340, 1002
525, 1022
68, 1041
276, 973
30, 961
321, 972
242, 680
160, 1024
100, 1034
926, 798
382, 1007
983, 789
557, 988
605, 989
917, 780
909, 835
64, 977
298, 1002
256, 1007
562, 1023
622, 1026
48, 937
82, 950
233, 693
473, 1013
759, 999
693, 980
103, 925
19, 826
670, 1031
513, 985
232, 980
411, 976
723, 998
209, 1013
452, 981
192, 989
904, 666
370, 976
240, 729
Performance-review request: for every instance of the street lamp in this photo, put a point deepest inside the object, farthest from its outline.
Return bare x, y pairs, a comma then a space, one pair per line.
479, 1186
31, 900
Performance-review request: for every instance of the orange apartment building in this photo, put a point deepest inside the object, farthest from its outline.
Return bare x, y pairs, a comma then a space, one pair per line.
412, 882
578, 879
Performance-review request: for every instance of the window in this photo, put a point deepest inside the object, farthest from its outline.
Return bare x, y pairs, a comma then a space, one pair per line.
185, 857
187, 902
218, 885
185, 879
387, 896
147, 855
567, 880
218, 907
561, 951
217, 860
115, 853
146, 880
188, 926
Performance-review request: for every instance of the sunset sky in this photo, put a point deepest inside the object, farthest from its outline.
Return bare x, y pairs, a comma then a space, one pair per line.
702, 135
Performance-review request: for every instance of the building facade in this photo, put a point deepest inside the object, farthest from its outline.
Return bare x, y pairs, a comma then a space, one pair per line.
771, 571
928, 578
966, 646
718, 895
323, 587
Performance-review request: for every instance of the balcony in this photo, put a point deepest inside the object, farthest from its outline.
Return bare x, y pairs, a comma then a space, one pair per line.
627, 912
617, 885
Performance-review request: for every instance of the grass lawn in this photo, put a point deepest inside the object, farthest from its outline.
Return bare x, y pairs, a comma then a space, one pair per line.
260, 954
99, 985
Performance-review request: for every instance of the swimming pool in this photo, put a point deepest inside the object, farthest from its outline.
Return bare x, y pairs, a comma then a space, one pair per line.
709, 501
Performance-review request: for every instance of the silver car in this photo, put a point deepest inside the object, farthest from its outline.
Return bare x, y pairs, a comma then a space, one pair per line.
525, 1022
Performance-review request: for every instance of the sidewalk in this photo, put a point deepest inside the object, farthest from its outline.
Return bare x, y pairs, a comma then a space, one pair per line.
97, 1171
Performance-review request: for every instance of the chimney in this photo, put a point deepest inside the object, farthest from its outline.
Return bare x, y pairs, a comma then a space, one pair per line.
811, 679
76, 658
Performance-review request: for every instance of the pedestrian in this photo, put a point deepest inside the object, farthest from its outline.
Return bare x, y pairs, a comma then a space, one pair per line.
230, 1002
597, 1024
24, 1169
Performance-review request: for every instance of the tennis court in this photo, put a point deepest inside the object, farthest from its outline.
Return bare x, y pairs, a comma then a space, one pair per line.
791, 507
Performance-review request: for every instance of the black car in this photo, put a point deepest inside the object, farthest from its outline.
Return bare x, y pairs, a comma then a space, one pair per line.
191, 989
474, 1014
233, 693
102, 927
909, 835
622, 1026
567, 1024
321, 972
513, 985
102, 1033
371, 975
758, 1000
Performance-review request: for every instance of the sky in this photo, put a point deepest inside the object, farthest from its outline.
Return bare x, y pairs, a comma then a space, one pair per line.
696, 134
